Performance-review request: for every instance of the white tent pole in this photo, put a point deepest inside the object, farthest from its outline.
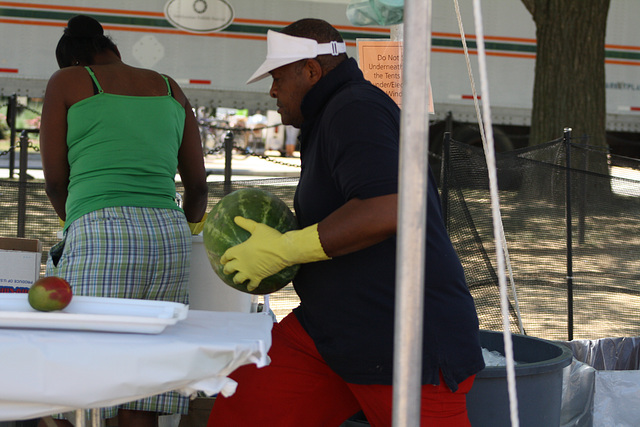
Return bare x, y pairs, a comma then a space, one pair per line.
412, 209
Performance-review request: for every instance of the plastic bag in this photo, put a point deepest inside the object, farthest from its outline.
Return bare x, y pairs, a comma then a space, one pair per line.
375, 12
602, 388
578, 385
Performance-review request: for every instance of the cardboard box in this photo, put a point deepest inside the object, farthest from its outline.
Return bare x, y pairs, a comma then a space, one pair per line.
19, 264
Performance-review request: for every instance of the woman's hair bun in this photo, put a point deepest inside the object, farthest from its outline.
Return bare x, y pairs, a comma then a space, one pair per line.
83, 26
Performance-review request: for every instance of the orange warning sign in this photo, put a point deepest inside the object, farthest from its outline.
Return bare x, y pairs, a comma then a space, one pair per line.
381, 64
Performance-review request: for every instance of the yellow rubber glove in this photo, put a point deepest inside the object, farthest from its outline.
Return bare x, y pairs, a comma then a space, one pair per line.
61, 223
196, 227
268, 251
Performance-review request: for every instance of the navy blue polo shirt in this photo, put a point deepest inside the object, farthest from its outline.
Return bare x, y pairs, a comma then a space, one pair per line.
350, 148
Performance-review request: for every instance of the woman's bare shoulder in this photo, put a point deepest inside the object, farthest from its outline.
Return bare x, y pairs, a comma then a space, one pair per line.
68, 74
71, 79
70, 85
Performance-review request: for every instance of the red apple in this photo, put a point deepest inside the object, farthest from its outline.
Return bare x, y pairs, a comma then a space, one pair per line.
50, 293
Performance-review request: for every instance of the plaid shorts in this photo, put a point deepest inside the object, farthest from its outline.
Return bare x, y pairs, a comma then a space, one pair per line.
128, 252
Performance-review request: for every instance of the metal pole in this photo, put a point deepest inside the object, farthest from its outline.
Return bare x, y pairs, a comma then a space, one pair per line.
11, 121
228, 154
567, 141
22, 183
412, 212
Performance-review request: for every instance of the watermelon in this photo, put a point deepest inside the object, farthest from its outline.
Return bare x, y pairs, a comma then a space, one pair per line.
220, 232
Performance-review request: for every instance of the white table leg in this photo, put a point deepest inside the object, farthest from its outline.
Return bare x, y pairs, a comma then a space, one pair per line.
95, 418
80, 420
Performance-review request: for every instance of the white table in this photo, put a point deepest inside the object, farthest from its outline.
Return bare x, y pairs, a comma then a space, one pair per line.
44, 372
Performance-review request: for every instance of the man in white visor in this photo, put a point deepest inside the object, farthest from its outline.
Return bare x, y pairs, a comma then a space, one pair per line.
332, 357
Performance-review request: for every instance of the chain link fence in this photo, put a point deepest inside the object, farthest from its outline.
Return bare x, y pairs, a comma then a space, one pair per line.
572, 236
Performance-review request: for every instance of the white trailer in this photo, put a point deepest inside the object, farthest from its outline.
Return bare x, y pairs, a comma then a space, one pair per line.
211, 66
211, 47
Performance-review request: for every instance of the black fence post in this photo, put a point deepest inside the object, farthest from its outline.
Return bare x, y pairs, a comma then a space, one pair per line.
228, 151
22, 183
12, 112
567, 141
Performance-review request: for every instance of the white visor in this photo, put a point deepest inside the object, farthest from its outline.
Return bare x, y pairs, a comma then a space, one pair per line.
283, 49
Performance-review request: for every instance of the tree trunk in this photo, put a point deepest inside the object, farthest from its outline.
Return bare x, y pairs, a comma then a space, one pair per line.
569, 85
569, 78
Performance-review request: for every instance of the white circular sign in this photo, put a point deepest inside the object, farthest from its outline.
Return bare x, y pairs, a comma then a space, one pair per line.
199, 16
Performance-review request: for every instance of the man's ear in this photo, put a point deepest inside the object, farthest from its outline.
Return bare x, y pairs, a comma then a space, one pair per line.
314, 70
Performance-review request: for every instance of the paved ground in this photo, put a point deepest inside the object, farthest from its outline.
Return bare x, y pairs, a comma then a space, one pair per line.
242, 166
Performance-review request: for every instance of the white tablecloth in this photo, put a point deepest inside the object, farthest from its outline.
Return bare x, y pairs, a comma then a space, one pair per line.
44, 372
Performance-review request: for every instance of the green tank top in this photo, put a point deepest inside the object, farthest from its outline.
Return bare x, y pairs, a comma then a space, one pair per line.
122, 151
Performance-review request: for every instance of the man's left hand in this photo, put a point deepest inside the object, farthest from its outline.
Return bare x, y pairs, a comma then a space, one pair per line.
268, 251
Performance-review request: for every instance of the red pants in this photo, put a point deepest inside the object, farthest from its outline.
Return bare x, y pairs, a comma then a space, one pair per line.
298, 389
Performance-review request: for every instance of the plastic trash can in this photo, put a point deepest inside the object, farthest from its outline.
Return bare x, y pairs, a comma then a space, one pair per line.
538, 383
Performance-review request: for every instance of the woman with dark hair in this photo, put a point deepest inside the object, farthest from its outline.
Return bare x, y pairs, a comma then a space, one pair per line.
82, 39
112, 137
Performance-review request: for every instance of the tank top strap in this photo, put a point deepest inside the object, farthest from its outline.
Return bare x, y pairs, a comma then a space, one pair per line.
95, 80
168, 84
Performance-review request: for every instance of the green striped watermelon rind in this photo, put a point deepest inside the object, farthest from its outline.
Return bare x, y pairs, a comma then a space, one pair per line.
221, 232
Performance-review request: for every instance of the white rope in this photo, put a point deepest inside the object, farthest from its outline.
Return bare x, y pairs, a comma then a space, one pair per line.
495, 213
484, 145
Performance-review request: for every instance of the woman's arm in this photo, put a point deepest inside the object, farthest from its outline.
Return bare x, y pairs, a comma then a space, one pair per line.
191, 163
53, 143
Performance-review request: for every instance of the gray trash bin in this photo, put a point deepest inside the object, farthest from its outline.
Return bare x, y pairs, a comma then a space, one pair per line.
538, 383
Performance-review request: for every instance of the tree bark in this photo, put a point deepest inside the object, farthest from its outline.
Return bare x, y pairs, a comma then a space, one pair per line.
569, 86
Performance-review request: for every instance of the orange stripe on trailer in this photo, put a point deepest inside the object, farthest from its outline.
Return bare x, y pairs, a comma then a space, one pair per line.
260, 22
285, 23
496, 38
9, 70
447, 50
489, 53
384, 31
634, 108
622, 47
31, 22
80, 9
620, 62
199, 82
363, 29
512, 55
